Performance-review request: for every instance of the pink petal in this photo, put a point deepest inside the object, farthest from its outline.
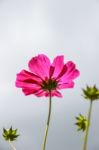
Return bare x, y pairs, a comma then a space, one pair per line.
28, 91
71, 68
53, 93
40, 93
51, 71
56, 93
26, 79
63, 71
40, 65
26, 85
23, 75
70, 74
58, 63
66, 85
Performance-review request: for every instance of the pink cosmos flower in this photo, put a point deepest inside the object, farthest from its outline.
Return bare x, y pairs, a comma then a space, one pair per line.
45, 77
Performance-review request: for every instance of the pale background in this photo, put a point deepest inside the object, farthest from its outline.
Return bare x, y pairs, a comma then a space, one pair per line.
52, 27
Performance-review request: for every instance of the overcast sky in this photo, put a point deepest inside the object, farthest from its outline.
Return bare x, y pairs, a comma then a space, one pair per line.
52, 27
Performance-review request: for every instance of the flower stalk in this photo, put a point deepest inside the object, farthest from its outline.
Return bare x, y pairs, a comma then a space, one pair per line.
48, 122
12, 146
87, 129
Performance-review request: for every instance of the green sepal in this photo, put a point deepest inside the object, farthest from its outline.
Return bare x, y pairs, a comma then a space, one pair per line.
81, 123
91, 93
10, 134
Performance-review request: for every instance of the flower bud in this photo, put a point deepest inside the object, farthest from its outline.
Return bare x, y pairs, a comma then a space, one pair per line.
82, 122
91, 93
10, 134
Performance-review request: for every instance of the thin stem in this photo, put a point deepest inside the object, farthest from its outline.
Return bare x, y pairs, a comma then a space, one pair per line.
47, 125
87, 129
12, 146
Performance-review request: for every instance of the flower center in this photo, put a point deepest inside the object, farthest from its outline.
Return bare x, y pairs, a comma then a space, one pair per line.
49, 84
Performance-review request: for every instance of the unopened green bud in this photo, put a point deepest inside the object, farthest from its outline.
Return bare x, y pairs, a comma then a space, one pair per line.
91, 93
10, 134
81, 123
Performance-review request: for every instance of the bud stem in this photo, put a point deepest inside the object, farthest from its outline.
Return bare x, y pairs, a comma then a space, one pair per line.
12, 146
47, 125
87, 129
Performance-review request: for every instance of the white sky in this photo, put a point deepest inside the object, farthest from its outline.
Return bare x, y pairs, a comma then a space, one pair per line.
51, 27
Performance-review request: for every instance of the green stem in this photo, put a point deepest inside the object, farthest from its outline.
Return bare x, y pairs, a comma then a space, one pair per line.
47, 125
87, 129
12, 146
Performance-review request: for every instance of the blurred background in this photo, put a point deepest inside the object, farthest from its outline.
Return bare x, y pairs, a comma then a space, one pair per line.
52, 27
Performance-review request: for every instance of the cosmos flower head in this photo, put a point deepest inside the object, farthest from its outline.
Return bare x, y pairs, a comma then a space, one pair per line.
45, 78
10, 134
